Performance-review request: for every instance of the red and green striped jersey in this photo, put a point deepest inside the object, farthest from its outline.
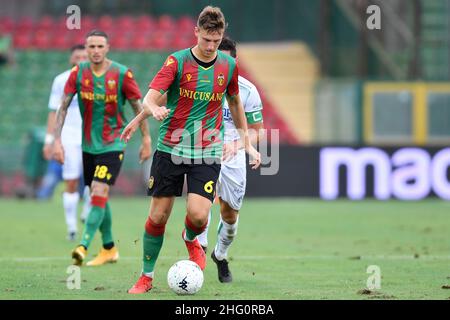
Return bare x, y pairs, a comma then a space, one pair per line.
101, 99
194, 127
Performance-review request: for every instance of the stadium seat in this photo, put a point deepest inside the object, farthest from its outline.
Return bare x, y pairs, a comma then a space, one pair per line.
41, 40
25, 24
22, 41
88, 23
145, 24
125, 23
106, 23
6, 25
139, 42
186, 22
160, 40
180, 42
45, 23
60, 43
120, 43
166, 23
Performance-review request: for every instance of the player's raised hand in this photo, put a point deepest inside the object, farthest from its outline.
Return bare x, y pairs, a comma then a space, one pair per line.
58, 151
255, 157
160, 113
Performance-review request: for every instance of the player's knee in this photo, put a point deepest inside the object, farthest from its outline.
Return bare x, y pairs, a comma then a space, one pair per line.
99, 189
228, 214
229, 217
71, 186
198, 216
159, 216
154, 228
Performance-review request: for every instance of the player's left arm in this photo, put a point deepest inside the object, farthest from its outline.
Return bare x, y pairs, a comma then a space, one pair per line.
253, 113
238, 115
146, 146
131, 91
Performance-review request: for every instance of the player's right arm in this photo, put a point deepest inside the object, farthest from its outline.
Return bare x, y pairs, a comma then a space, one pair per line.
58, 150
69, 91
47, 150
153, 100
53, 104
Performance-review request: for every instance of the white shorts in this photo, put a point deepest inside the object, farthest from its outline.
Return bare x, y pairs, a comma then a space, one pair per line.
73, 162
232, 181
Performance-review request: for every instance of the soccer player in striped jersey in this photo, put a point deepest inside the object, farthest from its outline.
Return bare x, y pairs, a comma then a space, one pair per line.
102, 87
196, 81
232, 178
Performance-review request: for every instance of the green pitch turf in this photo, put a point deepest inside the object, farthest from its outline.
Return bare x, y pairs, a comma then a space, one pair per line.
285, 249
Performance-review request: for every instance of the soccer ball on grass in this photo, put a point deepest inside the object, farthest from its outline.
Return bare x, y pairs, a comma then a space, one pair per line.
185, 277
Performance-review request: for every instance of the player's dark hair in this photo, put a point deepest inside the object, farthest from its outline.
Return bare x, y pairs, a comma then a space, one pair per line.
77, 47
212, 20
228, 44
98, 33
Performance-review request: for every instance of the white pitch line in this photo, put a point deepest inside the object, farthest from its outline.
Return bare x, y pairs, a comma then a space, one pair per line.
310, 257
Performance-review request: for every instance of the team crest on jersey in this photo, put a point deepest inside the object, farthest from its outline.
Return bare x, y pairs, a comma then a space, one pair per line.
111, 83
86, 82
130, 74
188, 77
220, 79
150, 182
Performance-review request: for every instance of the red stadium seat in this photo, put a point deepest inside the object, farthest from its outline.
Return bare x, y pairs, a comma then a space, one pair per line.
160, 42
125, 23
88, 23
61, 43
186, 23
166, 23
77, 36
45, 23
41, 40
120, 43
180, 42
140, 43
6, 25
60, 23
106, 23
22, 41
25, 24
145, 24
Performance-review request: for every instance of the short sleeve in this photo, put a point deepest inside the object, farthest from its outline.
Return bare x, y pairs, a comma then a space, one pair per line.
165, 76
130, 87
55, 95
253, 102
233, 85
71, 85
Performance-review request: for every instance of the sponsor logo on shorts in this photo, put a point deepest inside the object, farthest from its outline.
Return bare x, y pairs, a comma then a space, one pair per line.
150, 182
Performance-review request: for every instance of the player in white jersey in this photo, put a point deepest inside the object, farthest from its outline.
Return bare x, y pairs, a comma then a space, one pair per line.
71, 138
232, 179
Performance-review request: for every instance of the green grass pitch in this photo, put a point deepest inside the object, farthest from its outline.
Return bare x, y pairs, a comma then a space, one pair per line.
285, 249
